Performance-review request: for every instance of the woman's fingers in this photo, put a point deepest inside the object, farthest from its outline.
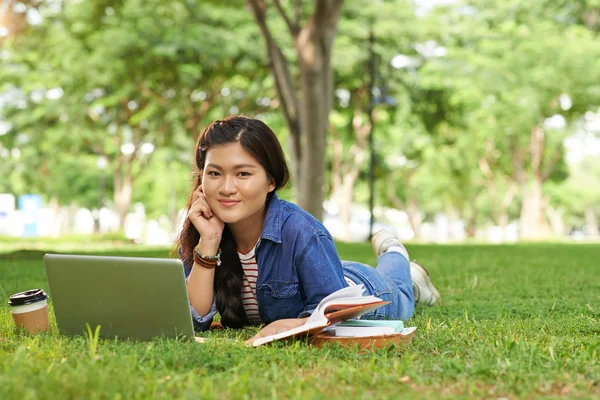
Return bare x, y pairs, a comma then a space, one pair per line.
200, 204
278, 326
198, 193
249, 342
202, 209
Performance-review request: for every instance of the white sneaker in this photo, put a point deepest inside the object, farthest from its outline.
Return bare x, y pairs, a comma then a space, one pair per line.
423, 288
383, 239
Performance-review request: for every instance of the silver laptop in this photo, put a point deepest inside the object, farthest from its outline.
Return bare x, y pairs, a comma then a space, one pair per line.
130, 298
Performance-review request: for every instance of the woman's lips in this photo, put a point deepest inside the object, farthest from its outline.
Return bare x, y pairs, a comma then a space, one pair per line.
228, 203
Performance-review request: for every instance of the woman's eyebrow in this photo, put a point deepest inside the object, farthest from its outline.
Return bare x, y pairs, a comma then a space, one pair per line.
238, 166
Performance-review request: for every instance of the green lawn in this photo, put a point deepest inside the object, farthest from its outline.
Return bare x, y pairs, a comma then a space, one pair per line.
519, 321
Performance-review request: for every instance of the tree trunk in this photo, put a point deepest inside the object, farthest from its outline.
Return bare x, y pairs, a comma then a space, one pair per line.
314, 114
306, 110
412, 210
55, 225
124, 173
123, 193
507, 200
555, 216
532, 220
505, 205
503, 220
345, 170
294, 164
313, 46
415, 217
591, 221
15, 22
471, 228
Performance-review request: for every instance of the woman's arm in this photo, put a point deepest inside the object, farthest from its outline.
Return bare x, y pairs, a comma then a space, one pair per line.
200, 281
202, 321
319, 270
278, 326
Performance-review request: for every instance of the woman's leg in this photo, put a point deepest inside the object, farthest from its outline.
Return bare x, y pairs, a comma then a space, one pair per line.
395, 266
377, 283
393, 263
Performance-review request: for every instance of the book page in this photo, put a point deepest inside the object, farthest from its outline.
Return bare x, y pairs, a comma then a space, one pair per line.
305, 329
362, 331
353, 312
409, 330
348, 296
345, 303
397, 324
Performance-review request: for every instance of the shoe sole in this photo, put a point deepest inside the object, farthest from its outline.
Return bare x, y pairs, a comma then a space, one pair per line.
428, 282
380, 249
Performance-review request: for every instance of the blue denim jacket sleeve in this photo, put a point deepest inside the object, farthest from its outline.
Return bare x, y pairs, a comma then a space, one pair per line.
201, 322
319, 270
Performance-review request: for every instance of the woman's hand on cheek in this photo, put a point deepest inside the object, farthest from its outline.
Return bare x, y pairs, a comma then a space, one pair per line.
278, 326
205, 221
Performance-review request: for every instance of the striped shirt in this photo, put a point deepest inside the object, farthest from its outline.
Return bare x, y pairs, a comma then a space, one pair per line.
249, 300
249, 286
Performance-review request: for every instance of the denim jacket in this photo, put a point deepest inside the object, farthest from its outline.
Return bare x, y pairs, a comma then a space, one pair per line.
298, 265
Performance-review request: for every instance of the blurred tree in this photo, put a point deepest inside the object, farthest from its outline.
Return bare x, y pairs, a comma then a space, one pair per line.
426, 171
407, 114
364, 40
575, 203
304, 86
13, 17
486, 91
131, 77
530, 76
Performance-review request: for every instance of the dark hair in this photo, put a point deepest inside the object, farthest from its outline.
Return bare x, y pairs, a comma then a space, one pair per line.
260, 141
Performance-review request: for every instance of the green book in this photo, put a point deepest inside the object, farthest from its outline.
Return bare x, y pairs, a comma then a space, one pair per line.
365, 327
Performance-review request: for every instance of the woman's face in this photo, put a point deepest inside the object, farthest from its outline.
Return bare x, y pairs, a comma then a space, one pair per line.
234, 183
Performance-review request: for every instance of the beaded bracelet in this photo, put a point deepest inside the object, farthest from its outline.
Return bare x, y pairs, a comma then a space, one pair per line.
207, 261
204, 264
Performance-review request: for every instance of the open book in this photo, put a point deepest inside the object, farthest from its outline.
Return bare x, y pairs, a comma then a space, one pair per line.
339, 306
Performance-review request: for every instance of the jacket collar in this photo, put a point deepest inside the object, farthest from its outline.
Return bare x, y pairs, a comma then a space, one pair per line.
273, 220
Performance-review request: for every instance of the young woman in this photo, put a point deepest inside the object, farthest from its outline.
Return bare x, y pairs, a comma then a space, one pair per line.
257, 259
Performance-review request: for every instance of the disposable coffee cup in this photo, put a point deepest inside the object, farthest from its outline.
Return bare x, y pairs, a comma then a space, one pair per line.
30, 310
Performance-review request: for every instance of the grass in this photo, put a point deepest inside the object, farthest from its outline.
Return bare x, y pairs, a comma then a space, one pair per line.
518, 321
